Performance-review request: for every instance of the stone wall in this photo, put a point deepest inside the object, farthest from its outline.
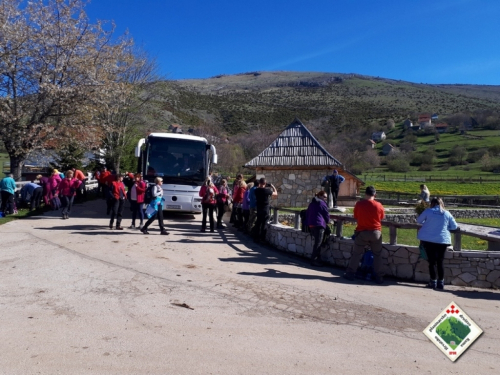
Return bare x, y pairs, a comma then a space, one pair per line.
297, 187
465, 268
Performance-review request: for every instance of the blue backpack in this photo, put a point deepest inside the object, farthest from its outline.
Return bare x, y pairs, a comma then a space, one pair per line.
365, 269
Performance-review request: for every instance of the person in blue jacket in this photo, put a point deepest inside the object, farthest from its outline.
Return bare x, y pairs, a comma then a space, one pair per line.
317, 218
335, 180
435, 237
7, 191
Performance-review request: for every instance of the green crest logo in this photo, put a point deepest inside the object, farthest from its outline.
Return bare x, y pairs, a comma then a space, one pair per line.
453, 331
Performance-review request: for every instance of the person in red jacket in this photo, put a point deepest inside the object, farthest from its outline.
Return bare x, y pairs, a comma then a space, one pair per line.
102, 179
208, 192
118, 197
67, 191
137, 192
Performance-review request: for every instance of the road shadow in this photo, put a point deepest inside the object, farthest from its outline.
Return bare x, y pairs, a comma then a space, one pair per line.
464, 293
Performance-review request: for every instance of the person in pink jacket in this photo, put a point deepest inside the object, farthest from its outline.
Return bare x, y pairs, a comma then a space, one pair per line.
208, 193
67, 191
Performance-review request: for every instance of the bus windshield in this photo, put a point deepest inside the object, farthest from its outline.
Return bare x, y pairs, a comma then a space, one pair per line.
178, 161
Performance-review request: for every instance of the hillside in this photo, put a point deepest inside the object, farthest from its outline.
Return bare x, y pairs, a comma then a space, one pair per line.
270, 100
340, 109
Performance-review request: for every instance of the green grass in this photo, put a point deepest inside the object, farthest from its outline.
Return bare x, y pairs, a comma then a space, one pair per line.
437, 188
487, 222
22, 213
409, 237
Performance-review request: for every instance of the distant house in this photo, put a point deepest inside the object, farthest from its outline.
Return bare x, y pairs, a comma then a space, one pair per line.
371, 143
175, 128
378, 136
424, 121
387, 149
407, 124
442, 127
434, 116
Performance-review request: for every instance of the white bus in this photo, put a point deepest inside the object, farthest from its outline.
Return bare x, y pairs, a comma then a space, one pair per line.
183, 161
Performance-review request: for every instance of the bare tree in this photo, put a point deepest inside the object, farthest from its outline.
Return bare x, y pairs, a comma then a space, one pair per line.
123, 116
56, 69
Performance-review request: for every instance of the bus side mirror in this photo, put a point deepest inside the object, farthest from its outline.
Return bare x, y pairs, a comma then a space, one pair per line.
139, 147
214, 159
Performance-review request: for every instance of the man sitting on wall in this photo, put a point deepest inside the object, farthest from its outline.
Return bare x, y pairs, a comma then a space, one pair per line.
335, 180
369, 214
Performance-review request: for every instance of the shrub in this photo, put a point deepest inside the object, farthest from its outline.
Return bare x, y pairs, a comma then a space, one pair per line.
475, 156
398, 164
420, 207
426, 167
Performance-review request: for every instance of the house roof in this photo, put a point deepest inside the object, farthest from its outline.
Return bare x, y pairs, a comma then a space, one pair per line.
295, 146
442, 125
424, 118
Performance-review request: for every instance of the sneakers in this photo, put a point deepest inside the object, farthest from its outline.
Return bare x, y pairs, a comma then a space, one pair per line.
349, 276
165, 233
432, 284
119, 228
131, 227
440, 285
144, 231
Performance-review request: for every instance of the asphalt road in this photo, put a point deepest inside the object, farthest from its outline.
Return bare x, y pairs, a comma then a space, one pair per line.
78, 298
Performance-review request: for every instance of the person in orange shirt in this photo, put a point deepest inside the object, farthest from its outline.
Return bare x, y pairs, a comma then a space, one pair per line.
81, 193
369, 214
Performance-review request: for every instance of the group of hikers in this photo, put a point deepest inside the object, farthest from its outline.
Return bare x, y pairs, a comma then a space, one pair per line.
434, 235
249, 205
57, 190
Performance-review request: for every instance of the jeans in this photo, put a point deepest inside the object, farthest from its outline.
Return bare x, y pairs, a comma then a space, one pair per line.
259, 230
81, 193
335, 194
317, 233
66, 203
207, 208
251, 219
246, 215
116, 211
36, 198
220, 213
159, 215
136, 209
373, 238
435, 254
7, 202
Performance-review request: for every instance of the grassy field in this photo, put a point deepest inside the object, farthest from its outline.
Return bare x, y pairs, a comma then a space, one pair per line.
22, 213
438, 188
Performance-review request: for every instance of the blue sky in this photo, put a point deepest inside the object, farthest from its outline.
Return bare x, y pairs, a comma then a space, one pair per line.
439, 41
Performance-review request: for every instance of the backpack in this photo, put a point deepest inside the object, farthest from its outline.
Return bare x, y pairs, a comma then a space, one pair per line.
148, 195
365, 269
303, 218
